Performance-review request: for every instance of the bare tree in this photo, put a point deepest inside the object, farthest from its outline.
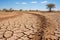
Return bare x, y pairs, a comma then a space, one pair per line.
11, 9
4, 10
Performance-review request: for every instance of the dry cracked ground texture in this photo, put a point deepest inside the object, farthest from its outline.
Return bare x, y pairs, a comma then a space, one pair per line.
31, 27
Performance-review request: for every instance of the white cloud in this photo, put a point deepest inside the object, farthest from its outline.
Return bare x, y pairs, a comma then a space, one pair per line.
17, 3
23, 3
33, 2
44, 2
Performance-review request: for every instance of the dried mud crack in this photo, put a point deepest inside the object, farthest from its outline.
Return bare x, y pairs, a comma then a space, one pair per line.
27, 27
21, 27
8, 34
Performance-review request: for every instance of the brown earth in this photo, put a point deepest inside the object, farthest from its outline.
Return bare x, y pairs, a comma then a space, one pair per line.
29, 26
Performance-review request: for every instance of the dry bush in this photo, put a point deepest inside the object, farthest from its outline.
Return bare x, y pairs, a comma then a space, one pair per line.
11, 10
6, 10
20, 10
0, 10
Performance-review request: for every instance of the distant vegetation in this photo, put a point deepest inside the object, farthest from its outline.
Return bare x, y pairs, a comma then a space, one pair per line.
7, 10
0, 10
49, 6
20, 10
11, 10
34, 10
4, 10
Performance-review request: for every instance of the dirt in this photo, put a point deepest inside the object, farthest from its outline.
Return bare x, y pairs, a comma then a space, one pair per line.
29, 26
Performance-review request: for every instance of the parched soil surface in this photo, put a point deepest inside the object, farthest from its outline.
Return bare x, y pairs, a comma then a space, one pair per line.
21, 27
29, 26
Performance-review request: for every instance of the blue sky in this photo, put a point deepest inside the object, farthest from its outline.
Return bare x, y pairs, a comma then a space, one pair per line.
28, 4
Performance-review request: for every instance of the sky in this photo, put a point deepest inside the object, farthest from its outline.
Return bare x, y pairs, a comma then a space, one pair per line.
28, 4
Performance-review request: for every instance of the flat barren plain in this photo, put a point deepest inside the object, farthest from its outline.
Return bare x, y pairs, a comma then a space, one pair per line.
29, 26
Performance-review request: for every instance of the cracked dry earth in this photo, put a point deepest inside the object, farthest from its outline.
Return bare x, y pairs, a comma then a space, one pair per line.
22, 27
31, 27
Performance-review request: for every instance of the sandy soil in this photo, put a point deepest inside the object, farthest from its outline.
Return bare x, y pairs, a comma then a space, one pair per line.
29, 26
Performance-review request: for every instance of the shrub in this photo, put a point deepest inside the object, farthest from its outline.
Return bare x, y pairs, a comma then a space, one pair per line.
5, 10
20, 10
11, 10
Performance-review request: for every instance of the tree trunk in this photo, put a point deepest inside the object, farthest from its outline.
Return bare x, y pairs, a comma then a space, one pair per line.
49, 9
